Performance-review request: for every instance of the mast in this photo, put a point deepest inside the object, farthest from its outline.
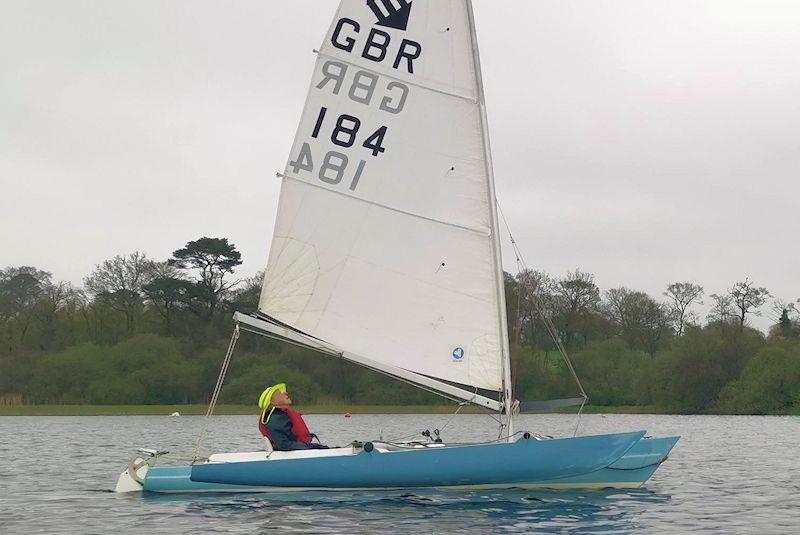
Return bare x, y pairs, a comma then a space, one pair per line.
508, 397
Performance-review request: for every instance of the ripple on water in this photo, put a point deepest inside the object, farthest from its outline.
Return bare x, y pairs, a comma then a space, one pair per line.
718, 480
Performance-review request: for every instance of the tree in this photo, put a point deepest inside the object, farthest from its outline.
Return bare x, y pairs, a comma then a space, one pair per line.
168, 294
747, 298
697, 366
214, 259
576, 297
54, 298
534, 297
247, 296
120, 282
769, 383
721, 311
20, 289
613, 373
681, 296
640, 320
785, 326
513, 297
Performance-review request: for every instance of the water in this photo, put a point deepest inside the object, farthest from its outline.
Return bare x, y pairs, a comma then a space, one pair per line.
727, 475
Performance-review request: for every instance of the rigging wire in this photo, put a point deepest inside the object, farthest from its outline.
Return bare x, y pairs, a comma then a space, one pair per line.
217, 388
461, 405
535, 297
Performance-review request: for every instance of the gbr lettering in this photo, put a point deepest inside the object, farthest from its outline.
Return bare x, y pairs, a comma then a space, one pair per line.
357, 139
377, 46
362, 87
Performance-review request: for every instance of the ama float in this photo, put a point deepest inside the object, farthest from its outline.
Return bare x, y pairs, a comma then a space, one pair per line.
386, 253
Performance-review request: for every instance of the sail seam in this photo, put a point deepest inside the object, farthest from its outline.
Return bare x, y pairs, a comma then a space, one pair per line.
397, 78
482, 232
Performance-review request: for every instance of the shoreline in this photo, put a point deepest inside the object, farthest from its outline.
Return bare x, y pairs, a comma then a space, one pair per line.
230, 410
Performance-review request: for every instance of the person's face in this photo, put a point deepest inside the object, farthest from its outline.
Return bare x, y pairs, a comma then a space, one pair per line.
281, 399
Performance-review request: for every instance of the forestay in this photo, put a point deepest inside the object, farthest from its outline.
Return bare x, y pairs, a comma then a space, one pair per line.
384, 243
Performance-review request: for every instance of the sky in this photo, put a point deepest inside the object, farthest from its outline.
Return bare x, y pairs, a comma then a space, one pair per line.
646, 142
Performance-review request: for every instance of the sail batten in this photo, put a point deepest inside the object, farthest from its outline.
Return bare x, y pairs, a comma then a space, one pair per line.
482, 231
391, 252
470, 98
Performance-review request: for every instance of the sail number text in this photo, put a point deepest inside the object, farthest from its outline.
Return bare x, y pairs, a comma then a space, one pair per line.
363, 88
333, 166
344, 133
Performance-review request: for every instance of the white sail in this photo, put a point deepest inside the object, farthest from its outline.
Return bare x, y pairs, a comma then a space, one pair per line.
384, 243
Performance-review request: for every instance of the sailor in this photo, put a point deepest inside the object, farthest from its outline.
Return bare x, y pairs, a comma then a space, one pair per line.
284, 428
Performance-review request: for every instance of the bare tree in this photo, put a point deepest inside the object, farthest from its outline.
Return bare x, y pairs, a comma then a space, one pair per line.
537, 282
164, 270
747, 299
721, 309
120, 282
534, 292
576, 295
780, 308
681, 296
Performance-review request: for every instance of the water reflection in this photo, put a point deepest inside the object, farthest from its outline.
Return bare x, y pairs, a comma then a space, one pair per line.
475, 511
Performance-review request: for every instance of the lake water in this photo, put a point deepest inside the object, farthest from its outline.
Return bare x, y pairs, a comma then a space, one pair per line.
726, 475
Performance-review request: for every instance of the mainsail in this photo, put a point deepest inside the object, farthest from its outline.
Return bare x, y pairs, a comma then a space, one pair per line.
385, 243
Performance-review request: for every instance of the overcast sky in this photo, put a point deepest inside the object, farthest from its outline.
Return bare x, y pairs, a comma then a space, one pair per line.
646, 142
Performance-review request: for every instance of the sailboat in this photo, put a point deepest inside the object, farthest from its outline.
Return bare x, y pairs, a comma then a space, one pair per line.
386, 253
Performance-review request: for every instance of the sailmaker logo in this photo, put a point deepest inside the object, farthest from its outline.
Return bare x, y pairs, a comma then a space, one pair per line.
391, 13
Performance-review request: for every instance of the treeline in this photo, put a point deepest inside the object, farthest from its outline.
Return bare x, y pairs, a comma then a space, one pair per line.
145, 331
632, 349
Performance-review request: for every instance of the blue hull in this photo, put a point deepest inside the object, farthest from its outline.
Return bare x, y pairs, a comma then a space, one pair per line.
524, 461
570, 463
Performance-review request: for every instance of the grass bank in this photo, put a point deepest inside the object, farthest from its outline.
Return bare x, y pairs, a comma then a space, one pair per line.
618, 409
164, 410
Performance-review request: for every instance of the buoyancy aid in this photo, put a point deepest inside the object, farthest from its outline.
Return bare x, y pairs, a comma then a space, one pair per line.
299, 427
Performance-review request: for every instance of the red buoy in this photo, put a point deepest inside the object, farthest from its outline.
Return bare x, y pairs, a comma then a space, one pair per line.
347, 415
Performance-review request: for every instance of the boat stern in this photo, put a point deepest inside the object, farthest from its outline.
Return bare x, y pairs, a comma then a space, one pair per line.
133, 478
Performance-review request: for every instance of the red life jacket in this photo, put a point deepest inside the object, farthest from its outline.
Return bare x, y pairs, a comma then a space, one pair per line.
299, 427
